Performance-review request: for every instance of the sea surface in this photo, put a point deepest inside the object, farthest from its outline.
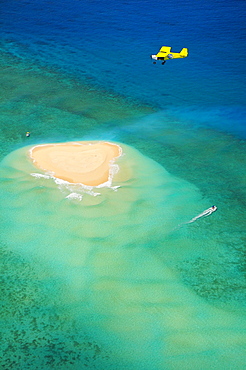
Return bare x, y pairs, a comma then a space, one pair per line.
116, 277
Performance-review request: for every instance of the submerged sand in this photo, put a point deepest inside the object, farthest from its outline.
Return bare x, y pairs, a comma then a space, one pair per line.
85, 162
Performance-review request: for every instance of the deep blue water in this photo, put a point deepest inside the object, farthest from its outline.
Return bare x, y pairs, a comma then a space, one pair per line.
109, 43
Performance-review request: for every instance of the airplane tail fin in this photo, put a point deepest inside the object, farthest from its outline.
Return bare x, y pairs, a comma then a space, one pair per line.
184, 53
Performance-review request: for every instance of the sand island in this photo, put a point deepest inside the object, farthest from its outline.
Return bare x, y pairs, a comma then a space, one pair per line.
85, 162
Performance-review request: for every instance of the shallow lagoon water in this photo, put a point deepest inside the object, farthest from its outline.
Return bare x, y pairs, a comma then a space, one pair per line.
116, 261
118, 279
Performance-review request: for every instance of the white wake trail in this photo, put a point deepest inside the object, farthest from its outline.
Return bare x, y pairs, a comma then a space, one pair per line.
205, 213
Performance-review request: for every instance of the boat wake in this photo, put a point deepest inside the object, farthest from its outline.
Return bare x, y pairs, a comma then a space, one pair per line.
205, 213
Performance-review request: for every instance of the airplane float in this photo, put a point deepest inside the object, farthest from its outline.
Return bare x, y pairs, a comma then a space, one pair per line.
165, 54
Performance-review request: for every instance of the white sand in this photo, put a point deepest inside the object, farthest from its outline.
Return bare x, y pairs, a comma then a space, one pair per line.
86, 162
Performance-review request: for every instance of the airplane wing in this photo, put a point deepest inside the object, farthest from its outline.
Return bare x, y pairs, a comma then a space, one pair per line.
164, 50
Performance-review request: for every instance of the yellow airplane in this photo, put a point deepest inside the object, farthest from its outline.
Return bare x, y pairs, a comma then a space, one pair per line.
165, 54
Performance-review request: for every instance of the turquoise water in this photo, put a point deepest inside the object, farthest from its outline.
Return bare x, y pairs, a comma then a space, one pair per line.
115, 277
